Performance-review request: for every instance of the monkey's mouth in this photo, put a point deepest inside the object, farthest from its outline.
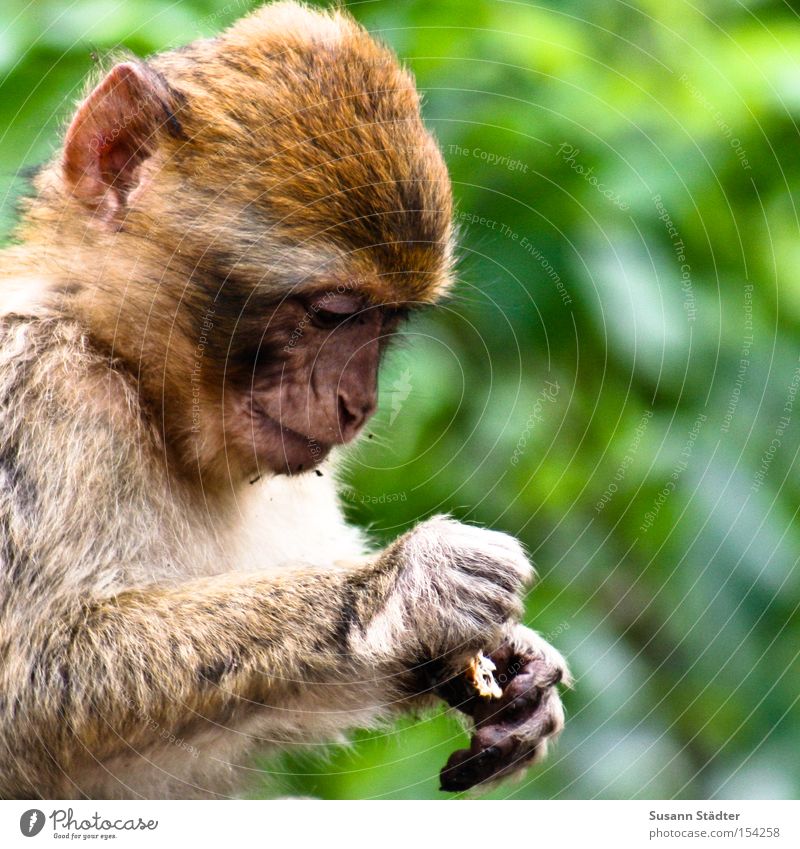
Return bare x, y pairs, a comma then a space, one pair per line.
284, 450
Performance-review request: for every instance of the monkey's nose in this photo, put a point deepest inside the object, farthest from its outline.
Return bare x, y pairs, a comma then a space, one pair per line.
352, 415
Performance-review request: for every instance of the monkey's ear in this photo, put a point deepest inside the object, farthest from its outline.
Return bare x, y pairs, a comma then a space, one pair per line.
114, 130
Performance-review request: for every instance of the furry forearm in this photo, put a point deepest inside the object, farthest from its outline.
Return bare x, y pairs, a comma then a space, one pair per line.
209, 651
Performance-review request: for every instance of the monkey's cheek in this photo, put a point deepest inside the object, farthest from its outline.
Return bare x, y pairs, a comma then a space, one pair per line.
280, 449
264, 444
296, 454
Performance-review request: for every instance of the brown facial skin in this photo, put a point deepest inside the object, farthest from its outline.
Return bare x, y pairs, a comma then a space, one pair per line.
313, 382
205, 198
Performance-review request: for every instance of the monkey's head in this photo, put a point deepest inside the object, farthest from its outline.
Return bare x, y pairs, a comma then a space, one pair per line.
258, 211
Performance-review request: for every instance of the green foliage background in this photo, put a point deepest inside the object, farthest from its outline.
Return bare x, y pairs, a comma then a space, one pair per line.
614, 382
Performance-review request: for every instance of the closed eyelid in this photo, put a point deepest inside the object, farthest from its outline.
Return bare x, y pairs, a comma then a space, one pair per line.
338, 304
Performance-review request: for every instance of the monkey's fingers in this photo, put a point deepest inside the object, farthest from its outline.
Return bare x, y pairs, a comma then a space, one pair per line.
466, 768
494, 752
512, 731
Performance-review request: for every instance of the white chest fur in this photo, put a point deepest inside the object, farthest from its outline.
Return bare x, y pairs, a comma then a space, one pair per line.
287, 522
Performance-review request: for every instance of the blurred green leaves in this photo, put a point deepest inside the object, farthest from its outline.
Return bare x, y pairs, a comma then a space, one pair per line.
683, 632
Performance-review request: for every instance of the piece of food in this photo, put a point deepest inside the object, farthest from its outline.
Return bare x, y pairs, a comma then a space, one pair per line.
480, 675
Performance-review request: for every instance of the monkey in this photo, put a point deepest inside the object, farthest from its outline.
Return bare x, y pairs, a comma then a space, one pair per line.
193, 311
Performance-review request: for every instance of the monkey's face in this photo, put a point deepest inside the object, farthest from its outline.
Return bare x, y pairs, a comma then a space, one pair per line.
312, 382
280, 179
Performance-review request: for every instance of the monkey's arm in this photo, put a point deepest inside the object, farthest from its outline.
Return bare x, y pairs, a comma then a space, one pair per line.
178, 659
214, 650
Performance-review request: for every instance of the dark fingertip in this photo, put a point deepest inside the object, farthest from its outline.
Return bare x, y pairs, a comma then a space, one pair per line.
455, 779
515, 709
528, 701
465, 775
516, 665
491, 754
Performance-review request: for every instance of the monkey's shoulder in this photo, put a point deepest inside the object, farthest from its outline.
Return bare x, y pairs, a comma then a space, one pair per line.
49, 366
68, 416
80, 477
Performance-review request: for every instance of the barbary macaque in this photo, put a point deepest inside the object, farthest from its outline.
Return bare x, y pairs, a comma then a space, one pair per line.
192, 317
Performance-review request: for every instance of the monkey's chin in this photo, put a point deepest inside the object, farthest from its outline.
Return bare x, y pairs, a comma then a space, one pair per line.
282, 450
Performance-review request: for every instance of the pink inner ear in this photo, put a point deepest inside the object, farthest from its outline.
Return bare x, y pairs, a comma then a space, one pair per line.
111, 135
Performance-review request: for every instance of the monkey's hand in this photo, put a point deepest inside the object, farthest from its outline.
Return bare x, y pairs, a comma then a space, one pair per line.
458, 589
513, 731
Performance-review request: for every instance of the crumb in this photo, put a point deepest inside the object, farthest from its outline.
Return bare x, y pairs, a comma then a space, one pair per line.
480, 676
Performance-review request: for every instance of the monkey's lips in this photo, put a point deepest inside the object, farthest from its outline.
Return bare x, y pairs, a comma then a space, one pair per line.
282, 449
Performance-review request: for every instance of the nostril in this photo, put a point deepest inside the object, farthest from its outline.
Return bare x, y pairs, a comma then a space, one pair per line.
352, 417
348, 421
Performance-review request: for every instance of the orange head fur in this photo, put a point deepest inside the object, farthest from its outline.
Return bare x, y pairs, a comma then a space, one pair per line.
287, 156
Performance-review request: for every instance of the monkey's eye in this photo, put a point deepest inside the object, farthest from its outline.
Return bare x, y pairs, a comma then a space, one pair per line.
332, 309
